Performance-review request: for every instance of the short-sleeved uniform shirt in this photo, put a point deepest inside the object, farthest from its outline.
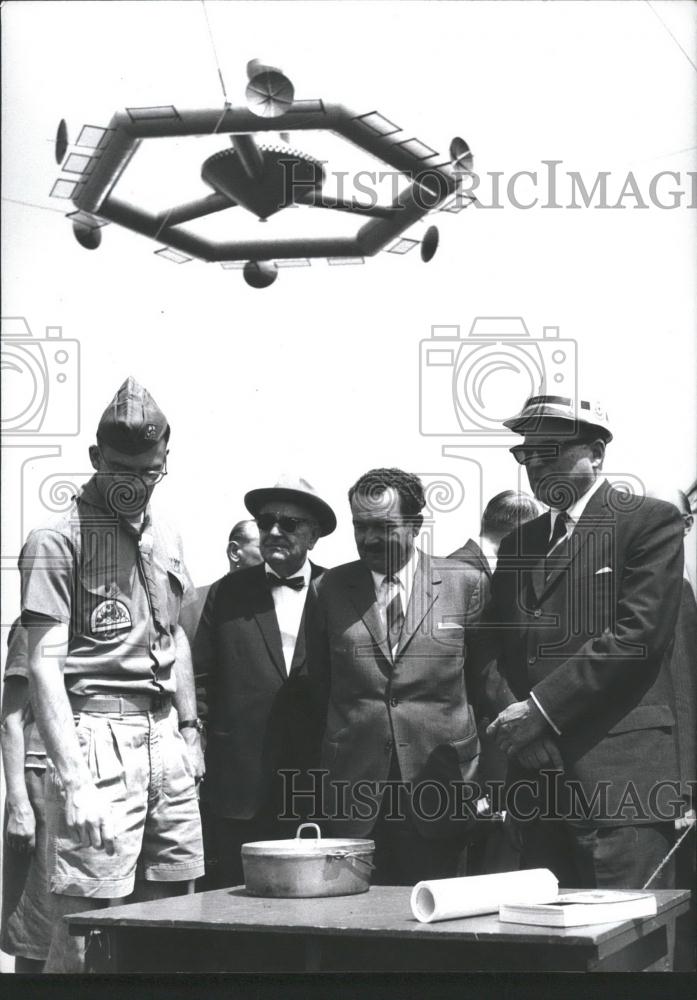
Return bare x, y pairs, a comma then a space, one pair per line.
119, 587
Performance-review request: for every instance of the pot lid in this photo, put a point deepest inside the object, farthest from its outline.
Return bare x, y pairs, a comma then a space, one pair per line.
305, 847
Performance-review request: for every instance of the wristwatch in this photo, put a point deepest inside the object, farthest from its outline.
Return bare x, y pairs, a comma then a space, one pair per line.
196, 724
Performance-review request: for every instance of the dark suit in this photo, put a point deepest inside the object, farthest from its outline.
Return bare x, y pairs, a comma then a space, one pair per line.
492, 850
258, 713
405, 716
683, 671
592, 642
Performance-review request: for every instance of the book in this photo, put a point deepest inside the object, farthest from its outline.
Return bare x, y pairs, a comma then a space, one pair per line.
573, 909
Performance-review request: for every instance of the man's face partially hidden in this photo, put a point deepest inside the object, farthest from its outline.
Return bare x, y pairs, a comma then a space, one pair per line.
126, 482
245, 553
384, 536
559, 469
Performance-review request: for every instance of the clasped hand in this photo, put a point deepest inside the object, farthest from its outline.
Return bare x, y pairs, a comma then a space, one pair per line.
521, 731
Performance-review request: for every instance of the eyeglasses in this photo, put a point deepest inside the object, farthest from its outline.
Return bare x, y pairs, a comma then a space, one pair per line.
524, 453
149, 476
286, 523
545, 451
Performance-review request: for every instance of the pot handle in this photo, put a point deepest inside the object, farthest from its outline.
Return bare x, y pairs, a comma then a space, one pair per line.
352, 856
308, 826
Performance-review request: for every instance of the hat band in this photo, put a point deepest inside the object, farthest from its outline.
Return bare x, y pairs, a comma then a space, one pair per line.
557, 400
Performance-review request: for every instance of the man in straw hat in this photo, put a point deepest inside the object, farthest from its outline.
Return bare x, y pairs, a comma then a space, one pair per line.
250, 654
111, 680
582, 615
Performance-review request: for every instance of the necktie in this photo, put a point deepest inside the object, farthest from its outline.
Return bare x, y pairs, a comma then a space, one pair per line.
294, 582
557, 543
394, 615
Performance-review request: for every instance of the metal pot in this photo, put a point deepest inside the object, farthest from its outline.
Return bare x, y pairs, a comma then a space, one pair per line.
305, 867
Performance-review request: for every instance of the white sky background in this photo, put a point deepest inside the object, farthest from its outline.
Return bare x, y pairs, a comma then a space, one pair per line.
319, 374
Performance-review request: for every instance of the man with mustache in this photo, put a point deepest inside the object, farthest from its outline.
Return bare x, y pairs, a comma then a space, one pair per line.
387, 642
580, 626
111, 681
250, 656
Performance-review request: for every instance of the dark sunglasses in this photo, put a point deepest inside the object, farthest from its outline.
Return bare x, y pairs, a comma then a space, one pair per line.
545, 451
286, 523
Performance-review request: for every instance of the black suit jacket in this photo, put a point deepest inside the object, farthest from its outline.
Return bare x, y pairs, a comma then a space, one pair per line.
258, 715
593, 643
683, 672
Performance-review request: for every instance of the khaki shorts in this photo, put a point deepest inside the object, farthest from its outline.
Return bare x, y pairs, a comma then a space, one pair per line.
140, 766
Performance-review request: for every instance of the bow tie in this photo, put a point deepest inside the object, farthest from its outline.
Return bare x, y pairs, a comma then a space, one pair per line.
294, 582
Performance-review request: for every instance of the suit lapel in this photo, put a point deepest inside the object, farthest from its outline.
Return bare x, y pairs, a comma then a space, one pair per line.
299, 652
587, 525
364, 600
265, 617
539, 546
424, 594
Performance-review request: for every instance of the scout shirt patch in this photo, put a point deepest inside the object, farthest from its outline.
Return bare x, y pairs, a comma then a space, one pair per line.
110, 618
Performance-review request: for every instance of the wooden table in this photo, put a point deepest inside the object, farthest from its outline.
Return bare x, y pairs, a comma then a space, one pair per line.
229, 931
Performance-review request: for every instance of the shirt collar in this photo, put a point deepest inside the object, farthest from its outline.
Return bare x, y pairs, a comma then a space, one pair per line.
573, 513
405, 575
305, 572
489, 551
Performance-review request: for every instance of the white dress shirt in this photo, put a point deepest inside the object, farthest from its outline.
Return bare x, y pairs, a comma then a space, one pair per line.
289, 605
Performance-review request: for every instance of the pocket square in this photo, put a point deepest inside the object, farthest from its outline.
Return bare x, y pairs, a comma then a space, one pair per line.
449, 625
605, 569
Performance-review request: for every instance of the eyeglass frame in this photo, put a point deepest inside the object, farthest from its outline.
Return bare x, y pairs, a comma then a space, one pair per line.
279, 518
150, 477
554, 447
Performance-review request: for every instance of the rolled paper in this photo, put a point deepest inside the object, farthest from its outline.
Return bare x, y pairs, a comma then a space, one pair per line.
450, 898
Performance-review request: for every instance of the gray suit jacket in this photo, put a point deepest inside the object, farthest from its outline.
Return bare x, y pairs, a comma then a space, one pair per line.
414, 704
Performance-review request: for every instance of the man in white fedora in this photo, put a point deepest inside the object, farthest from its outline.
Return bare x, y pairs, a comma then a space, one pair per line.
580, 625
250, 654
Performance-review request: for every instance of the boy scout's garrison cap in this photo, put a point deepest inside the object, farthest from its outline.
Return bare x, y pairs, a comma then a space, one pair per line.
132, 422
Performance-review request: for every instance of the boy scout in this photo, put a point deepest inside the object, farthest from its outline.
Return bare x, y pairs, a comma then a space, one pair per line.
111, 681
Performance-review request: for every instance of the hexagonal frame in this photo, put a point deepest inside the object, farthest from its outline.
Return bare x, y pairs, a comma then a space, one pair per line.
126, 131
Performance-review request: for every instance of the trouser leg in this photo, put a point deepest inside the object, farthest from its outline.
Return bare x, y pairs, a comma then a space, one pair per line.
67, 952
624, 857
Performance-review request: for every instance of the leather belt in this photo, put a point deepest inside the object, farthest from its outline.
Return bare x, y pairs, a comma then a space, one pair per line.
120, 705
